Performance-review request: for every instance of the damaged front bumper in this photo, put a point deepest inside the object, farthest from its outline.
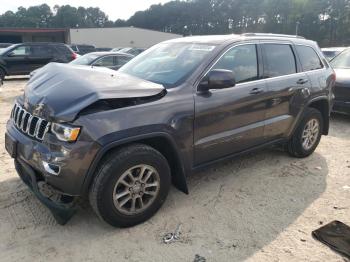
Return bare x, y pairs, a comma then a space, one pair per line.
53, 170
62, 212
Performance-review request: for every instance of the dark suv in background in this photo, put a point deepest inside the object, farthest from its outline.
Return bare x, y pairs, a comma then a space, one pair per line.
21, 59
122, 137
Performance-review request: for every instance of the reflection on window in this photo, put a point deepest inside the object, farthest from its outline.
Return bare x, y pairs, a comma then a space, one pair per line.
242, 60
308, 58
279, 60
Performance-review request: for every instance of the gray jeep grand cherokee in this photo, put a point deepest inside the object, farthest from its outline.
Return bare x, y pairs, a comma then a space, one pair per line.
121, 138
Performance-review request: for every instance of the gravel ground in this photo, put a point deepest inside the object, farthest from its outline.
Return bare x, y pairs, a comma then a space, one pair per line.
260, 207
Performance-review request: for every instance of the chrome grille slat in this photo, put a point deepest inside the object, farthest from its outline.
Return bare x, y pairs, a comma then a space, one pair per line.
29, 124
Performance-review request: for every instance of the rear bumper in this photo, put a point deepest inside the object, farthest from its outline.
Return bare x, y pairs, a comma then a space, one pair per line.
341, 107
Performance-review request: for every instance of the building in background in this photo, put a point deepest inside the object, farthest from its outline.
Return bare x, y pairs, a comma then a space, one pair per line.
21, 35
99, 37
119, 37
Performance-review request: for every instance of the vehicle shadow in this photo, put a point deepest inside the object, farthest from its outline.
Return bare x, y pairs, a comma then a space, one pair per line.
339, 126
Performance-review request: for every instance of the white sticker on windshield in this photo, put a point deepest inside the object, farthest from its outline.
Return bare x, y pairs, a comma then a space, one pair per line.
207, 48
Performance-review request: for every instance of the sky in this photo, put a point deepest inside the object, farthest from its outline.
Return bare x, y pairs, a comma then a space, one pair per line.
113, 8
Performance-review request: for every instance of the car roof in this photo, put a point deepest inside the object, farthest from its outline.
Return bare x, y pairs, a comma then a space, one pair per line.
109, 53
225, 39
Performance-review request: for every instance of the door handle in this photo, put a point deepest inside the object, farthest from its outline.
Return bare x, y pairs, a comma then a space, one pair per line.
302, 81
256, 91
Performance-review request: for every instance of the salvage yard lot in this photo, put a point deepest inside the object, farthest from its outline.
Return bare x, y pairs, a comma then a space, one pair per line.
260, 207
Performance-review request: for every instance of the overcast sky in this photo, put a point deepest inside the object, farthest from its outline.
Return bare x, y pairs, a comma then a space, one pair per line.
113, 8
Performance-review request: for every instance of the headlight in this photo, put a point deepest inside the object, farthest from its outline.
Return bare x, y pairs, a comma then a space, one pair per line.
65, 132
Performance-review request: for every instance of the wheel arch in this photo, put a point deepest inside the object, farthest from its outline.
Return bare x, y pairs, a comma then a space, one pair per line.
162, 142
322, 105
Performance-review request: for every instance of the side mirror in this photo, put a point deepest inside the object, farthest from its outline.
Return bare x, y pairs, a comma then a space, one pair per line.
11, 54
217, 79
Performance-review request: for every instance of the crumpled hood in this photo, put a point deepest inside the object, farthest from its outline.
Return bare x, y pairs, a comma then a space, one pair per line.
61, 91
342, 77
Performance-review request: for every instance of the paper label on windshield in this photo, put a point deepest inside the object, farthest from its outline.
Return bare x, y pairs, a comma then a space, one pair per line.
206, 48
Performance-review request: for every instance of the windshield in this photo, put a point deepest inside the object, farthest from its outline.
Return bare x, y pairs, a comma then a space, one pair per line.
168, 64
85, 59
342, 60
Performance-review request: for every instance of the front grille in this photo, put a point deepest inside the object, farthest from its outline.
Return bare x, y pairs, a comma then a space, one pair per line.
27, 123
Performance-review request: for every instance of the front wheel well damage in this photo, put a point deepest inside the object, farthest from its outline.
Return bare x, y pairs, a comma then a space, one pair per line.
167, 149
322, 106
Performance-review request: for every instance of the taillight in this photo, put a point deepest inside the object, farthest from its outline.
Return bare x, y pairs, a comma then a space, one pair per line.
74, 56
334, 77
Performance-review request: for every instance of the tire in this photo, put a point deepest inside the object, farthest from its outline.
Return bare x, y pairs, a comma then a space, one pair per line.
115, 168
2, 74
295, 146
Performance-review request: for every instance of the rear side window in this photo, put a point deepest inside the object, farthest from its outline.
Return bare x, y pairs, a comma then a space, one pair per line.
242, 60
309, 58
64, 49
279, 60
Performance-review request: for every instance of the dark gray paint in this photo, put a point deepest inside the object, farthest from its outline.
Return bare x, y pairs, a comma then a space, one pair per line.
201, 127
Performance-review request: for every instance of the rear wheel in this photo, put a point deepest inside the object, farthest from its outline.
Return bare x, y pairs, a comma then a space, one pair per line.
308, 134
130, 186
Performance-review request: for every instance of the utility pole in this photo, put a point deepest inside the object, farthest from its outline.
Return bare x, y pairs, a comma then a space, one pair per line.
297, 28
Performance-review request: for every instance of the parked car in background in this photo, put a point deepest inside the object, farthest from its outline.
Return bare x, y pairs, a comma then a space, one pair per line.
331, 52
121, 139
4, 45
83, 49
103, 49
21, 59
116, 49
132, 50
341, 65
104, 59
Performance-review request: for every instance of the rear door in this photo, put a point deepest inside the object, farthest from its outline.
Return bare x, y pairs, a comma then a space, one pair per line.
40, 56
285, 83
231, 120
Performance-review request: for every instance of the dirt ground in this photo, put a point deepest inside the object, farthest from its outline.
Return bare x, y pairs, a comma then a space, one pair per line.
261, 207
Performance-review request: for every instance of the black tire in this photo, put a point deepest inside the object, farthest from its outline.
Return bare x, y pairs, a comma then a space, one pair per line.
295, 145
112, 168
2, 74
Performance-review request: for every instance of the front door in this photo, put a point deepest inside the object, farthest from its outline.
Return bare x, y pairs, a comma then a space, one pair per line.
17, 61
231, 120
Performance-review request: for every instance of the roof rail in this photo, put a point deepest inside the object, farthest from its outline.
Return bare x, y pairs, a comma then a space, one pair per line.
273, 35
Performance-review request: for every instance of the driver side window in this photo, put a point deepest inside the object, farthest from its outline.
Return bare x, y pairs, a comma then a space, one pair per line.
242, 60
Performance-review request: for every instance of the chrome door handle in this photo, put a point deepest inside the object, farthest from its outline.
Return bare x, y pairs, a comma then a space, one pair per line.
302, 81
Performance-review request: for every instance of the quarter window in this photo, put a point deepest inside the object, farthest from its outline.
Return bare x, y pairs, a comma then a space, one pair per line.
242, 60
279, 60
309, 58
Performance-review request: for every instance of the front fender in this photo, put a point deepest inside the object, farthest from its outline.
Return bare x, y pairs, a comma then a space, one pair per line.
108, 143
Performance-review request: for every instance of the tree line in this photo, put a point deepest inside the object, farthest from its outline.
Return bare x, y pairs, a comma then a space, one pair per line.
326, 21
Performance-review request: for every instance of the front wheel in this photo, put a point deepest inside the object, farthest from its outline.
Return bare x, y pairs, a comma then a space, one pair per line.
308, 134
130, 185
